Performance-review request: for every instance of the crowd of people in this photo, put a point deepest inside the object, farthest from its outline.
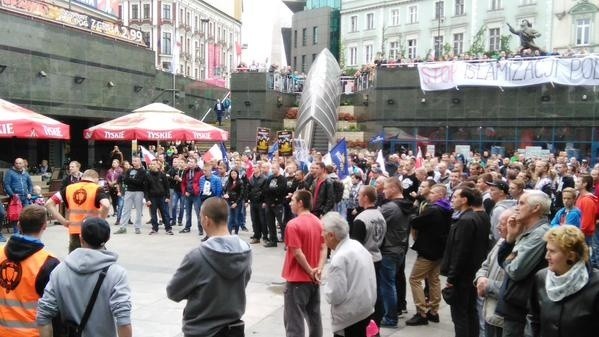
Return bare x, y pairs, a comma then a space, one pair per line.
513, 237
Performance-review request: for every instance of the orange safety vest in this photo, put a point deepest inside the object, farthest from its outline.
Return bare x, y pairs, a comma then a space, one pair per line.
18, 297
81, 199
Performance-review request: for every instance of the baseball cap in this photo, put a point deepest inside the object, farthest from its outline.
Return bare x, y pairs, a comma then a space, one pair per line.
95, 232
500, 184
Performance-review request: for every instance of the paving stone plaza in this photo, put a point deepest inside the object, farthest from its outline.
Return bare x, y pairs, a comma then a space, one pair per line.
151, 261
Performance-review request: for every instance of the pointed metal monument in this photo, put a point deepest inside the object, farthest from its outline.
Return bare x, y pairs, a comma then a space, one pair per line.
320, 99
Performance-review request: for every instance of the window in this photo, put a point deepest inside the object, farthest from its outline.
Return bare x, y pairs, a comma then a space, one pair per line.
459, 7
295, 39
412, 14
314, 35
146, 11
458, 43
439, 9
294, 62
495, 4
353, 56
166, 43
187, 16
134, 12
412, 48
438, 42
303, 63
370, 21
395, 17
354, 23
166, 12
494, 39
196, 25
368, 53
583, 31
304, 36
393, 51
313, 57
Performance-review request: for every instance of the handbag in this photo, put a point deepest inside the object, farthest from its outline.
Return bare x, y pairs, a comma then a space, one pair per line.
449, 295
14, 209
71, 329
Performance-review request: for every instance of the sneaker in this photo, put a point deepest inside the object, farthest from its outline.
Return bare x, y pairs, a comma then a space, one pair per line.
185, 230
137, 231
245, 229
2, 238
117, 223
152, 232
270, 244
130, 222
179, 224
388, 324
121, 230
432, 317
149, 222
417, 319
169, 232
205, 238
254, 241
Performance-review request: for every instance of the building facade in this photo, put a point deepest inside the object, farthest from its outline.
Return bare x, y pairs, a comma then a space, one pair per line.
427, 29
199, 40
313, 30
575, 26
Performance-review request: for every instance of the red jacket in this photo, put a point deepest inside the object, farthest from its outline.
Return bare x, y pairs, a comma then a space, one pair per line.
589, 207
197, 174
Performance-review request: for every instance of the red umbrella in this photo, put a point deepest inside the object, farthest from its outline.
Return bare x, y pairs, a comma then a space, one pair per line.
156, 121
16, 121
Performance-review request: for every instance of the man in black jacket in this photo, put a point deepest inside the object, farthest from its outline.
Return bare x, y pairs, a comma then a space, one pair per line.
274, 195
157, 194
397, 212
431, 228
255, 197
322, 190
134, 184
466, 248
175, 177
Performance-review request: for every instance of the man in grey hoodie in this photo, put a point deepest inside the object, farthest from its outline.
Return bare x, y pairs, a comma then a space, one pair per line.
72, 282
212, 278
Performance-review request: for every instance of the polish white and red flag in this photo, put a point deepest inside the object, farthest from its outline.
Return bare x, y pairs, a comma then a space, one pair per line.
419, 160
146, 155
214, 153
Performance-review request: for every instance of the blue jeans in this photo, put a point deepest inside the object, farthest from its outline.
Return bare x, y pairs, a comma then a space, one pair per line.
159, 203
387, 275
342, 208
595, 249
241, 216
193, 202
233, 222
177, 200
119, 206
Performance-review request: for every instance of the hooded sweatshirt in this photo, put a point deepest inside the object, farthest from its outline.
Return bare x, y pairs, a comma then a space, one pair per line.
70, 288
212, 278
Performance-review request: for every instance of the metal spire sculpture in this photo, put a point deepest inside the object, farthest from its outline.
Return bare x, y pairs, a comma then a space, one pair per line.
320, 98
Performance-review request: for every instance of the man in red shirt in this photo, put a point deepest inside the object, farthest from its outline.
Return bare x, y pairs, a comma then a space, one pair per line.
588, 204
304, 259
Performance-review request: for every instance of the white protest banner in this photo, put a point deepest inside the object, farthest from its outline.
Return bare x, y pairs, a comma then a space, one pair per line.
464, 150
510, 73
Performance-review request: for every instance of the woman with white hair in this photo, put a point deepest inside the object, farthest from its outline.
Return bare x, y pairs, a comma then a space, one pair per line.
350, 285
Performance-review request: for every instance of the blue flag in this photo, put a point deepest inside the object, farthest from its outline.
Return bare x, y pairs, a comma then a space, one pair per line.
378, 138
339, 158
223, 150
273, 150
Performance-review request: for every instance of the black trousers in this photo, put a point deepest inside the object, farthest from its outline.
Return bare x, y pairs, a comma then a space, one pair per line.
463, 312
400, 285
257, 214
274, 213
357, 329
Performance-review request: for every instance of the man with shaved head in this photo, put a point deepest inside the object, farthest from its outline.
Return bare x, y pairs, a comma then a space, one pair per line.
18, 183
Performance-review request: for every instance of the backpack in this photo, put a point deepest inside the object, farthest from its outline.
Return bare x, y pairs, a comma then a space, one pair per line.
338, 188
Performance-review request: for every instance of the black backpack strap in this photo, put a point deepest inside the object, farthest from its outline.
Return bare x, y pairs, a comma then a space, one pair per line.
92, 300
